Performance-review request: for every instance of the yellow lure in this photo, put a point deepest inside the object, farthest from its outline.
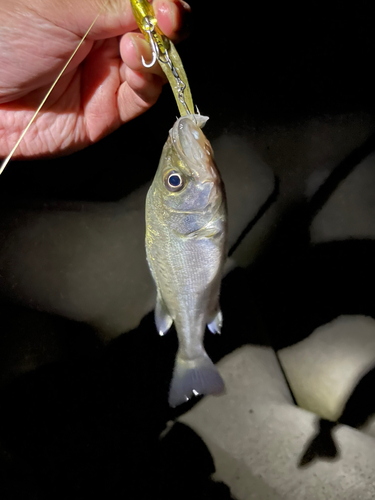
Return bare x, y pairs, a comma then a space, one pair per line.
165, 52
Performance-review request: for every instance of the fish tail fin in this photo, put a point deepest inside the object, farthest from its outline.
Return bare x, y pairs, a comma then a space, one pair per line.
194, 377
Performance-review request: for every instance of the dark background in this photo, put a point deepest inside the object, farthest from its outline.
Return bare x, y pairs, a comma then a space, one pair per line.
90, 423
249, 65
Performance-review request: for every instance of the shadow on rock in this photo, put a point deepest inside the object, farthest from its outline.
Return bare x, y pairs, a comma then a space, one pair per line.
306, 287
361, 404
322, 446
90, 426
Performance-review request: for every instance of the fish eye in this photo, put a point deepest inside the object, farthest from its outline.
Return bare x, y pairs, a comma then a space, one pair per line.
174, 181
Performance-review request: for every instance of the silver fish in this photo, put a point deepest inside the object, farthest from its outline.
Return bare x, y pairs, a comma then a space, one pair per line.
186, 240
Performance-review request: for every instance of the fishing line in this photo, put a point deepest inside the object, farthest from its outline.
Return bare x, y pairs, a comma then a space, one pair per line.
7, 159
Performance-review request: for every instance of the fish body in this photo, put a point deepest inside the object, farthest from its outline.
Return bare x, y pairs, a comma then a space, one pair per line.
186, 239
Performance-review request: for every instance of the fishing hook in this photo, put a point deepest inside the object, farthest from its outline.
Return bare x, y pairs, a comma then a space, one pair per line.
149, 27
163, 50
149, 65
164, 58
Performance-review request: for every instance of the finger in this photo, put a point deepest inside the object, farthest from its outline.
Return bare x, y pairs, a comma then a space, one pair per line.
133, 47
138, 93
173, 17
115, 16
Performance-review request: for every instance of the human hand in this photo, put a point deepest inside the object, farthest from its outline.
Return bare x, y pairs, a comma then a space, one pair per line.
104, 86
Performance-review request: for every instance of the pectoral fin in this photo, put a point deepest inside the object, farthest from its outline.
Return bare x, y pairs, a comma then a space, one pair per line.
163, 319
216, 323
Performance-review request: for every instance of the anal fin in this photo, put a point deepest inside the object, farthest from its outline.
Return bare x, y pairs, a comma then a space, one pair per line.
216, 322
163, 319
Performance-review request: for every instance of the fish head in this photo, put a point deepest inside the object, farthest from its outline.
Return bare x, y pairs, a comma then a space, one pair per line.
187, 180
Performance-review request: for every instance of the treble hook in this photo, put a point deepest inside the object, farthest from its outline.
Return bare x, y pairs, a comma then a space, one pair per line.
149, 65
155, 52
156, 55
163, 50
150, 28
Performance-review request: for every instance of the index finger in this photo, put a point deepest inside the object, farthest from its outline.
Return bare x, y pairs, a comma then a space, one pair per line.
115, 16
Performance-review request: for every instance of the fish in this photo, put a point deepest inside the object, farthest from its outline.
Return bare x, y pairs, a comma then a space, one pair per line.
186, 246
186, 241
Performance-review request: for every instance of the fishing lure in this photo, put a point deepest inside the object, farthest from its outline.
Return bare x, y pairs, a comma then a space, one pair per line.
163, 50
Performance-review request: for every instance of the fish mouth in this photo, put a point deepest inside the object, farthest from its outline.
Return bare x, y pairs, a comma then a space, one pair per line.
215, 191
195, 159
193, 147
